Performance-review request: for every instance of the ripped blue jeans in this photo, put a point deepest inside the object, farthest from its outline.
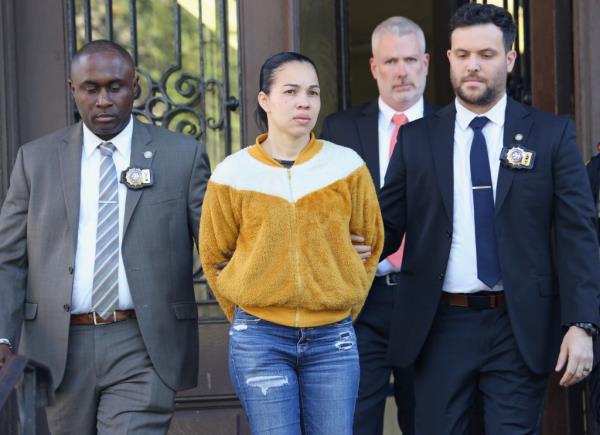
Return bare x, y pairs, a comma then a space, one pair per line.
294, 381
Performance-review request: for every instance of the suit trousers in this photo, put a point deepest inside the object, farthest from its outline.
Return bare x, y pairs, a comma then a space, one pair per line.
372, 333
110, 385
471, 353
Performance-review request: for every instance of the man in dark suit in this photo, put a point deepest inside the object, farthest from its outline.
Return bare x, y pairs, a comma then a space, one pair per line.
501, 255
399, 65
96, 241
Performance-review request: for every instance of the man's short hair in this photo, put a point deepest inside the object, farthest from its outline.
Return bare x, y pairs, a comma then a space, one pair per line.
102, 45
473, 14
399, 26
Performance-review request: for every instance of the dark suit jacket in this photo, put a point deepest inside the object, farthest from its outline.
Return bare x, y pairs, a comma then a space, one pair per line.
593, 169
357, 128
38, 238
534, 209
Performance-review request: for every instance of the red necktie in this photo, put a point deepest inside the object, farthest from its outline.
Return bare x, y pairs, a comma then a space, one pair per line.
399, 120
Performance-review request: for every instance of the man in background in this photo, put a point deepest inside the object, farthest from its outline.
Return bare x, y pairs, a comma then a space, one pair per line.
399, 65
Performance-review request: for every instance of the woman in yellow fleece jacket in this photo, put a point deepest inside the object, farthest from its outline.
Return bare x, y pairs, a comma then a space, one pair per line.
286, 207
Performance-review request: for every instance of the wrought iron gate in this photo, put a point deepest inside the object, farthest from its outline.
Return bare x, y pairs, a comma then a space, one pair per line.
186, 56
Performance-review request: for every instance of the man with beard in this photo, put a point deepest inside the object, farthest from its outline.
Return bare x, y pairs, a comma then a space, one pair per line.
501, 259
399, 65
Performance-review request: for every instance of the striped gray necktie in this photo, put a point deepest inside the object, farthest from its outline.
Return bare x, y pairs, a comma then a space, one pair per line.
105, 293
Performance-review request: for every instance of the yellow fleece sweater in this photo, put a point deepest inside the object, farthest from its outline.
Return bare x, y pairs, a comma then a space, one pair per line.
289, 229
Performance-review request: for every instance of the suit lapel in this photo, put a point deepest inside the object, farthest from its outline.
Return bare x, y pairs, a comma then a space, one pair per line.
141, 142
69, 157
517, 121
367, 127
442, 146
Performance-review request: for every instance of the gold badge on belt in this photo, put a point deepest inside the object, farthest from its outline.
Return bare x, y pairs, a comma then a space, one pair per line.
137, 178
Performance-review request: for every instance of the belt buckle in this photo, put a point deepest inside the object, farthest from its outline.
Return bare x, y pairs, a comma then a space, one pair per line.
482, 302
95, 317
388, 280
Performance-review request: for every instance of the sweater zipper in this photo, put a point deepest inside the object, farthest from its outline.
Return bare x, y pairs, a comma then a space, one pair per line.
296, 247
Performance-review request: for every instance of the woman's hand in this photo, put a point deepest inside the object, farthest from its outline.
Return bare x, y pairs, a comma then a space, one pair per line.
220, 266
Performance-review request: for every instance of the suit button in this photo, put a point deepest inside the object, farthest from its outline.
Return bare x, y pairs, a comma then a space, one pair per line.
441, 276
448, 233
67, 307
71, 270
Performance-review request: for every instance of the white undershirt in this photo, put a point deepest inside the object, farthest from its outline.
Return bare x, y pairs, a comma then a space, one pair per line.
461, 273
385, 130
88, 217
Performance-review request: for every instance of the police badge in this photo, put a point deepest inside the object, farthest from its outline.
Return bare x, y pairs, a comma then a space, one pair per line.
517, 157
137, 178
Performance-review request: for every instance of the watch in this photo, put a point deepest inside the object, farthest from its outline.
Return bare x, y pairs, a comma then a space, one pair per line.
589, 328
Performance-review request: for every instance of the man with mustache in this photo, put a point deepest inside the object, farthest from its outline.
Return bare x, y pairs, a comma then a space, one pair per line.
96, 239
399, 65
500, 279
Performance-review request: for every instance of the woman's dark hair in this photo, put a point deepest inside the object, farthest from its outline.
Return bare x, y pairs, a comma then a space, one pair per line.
267, 75
473, 14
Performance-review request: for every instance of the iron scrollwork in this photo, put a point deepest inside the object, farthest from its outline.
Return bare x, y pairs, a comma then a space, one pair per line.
177, 99
179, 107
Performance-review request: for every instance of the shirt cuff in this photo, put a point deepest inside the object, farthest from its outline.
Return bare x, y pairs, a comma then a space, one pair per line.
6, 341
385, 268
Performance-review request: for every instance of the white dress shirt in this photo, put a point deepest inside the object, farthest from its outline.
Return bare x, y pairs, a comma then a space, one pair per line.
461, 273
88, 217
385, 131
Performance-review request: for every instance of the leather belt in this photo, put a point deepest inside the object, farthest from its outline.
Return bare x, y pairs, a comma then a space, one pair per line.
476, 301
95, 319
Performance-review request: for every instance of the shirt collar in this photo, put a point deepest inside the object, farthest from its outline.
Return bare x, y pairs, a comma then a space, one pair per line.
413, 113
122, 141
496, 114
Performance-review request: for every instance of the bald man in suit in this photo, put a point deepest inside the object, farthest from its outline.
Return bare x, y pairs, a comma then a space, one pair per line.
96, 241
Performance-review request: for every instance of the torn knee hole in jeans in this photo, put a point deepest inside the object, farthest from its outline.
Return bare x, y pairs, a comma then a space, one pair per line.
265, 383
345, 342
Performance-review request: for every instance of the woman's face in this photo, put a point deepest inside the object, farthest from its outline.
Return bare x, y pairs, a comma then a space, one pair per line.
294, 100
